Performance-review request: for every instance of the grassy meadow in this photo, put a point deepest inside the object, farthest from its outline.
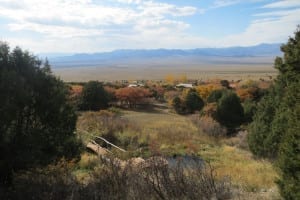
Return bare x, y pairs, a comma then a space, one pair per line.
160, 131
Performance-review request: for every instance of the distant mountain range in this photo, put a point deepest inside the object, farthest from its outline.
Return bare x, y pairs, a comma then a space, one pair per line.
144, 56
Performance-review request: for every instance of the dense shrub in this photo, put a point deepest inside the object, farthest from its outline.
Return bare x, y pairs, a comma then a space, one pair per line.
193, 102
230, 112
249, 109
177, 105
215, 96
189, 102
262, 141
93, 96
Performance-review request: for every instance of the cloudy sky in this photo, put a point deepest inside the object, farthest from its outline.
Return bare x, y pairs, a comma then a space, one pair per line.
103, 25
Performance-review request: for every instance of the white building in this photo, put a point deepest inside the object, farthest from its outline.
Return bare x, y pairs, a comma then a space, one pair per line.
185, 85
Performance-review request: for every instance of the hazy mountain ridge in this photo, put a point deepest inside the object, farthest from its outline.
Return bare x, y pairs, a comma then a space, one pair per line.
127, 56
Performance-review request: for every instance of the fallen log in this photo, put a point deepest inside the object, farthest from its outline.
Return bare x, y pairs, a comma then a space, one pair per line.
92, 145
105, 154
136, 163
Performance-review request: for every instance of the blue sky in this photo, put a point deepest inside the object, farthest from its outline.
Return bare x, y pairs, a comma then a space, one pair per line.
103, 25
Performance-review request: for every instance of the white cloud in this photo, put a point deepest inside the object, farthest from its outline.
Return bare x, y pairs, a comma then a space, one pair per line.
66, 21
56, 31
283, 4
86, 26
160, 9
85, 14
224, 3
273, 27
130, 1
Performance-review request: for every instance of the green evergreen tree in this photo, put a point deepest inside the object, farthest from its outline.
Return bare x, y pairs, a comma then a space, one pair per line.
230, 112
36, 122
275, 130
263, 138
177, 104
249, 106
289, 150
215, 95
193, 102
225, 83
94, 97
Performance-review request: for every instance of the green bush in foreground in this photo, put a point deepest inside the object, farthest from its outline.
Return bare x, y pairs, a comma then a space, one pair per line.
275, 130
36, 122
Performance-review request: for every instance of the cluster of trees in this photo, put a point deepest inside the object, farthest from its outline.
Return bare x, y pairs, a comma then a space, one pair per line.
37, 123
190, 103
224, 106
95, 96
275, 130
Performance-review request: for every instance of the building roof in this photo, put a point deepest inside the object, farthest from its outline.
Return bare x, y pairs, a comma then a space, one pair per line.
186, 85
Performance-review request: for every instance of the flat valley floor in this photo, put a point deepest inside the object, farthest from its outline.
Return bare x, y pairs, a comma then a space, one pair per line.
204, 73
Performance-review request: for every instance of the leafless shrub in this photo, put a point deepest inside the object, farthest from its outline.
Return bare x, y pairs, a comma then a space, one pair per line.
209, 126
154, 179
243, 141
53, 182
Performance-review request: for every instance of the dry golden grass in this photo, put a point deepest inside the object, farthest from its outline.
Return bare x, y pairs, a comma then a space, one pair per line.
171, 133
243, 169
177, 134
168, 133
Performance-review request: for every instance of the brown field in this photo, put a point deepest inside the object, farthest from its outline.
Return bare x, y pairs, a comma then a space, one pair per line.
228, 72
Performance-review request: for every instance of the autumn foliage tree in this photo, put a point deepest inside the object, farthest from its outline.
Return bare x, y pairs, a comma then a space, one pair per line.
252, 93
131, 96
205, 90
158, 93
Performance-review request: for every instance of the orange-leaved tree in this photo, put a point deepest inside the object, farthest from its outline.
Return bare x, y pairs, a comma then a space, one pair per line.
131, 96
